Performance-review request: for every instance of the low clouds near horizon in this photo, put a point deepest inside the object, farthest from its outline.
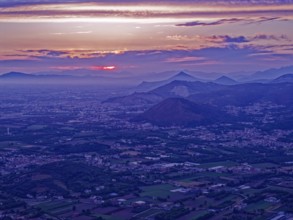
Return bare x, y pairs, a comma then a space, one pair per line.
211, 35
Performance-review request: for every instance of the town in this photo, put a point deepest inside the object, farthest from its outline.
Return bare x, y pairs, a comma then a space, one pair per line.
71, 156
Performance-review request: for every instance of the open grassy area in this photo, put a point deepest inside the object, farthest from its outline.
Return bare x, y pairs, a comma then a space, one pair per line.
250, 192
283, 189
192, 178
107, 217
36, 127
200, 214
57, 207
213, 174
157, 190
225, 152
258, 205
61, 211
198, 176
10, 144
220, 163
204, 201
67, 128
227, 199
147, 213
264, 165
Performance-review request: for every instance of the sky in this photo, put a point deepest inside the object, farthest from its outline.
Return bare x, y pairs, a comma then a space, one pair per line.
145, 36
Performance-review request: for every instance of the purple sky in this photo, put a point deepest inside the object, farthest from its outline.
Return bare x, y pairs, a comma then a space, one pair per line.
145, 36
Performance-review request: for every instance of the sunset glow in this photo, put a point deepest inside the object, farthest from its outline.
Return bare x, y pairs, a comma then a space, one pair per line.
104, 68
181, 34
146, 109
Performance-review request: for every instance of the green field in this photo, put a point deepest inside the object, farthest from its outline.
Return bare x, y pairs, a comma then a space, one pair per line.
264, 165
147, 213
258, 205
67, 128
57, 207
36, 127
282, 189
200, 214
199, 176
250, 192
189, 179
221, 163
157, 190
228, 198
9, 144
107, 217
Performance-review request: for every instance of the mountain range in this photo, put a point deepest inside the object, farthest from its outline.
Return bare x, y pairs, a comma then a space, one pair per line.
279, 91
271, 74
34, 79
208, 106
225, 80
287, 78
184, 100
152, 80
148, 86
189, 103
23, 76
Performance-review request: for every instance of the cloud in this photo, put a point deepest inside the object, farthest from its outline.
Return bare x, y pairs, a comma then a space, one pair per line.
240, 39
74, 10
246, 39
271, 37
184, 59
214, 58
218, 39
126, 46
226, 2
200, 23
72, 33
231, 21
179, 37
204, 45
45, 53
48, 54
229, 39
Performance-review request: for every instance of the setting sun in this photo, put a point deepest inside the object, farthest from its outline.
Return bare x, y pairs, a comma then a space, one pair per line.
103, 68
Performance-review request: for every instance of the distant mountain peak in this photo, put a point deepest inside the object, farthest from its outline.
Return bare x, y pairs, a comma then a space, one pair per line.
183, 75
225, 80
272, 73
15, 74
286, 78
223, 77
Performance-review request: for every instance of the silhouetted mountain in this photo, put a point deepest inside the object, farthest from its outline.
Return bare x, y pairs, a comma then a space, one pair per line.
287, 78
272, 73
214, 94
172, 89
185, 89
35, 79
179, 111
224, 80
248, 94
182, 76
148, 86
16, 75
